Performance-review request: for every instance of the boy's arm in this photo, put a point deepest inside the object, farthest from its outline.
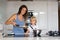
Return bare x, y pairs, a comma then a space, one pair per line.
36, 27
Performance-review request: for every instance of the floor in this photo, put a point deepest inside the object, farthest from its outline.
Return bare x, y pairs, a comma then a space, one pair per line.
28, 38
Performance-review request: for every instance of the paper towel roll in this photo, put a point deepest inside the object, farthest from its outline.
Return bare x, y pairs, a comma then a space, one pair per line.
1, 26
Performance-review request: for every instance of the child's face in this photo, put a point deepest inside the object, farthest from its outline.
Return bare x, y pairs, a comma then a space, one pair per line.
33, 21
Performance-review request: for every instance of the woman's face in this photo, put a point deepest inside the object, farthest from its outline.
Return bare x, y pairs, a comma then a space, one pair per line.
23, 11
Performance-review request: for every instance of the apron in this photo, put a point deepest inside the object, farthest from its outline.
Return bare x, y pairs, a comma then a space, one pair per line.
19, 32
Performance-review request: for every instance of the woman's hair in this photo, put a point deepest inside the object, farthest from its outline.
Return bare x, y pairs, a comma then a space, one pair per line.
33, 17
23, 6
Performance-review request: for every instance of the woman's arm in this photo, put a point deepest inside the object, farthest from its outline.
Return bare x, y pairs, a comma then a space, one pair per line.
27, 30
11, 19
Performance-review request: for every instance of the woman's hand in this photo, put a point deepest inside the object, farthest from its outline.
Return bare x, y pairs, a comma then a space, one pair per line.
14, 23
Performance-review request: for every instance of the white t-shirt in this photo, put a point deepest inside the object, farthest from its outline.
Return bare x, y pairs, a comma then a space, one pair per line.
35, 27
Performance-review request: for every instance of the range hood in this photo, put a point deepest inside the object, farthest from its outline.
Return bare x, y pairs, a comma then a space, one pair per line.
33, 0
20, 0
26, 0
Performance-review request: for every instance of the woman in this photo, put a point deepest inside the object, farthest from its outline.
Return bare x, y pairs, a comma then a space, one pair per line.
18, 19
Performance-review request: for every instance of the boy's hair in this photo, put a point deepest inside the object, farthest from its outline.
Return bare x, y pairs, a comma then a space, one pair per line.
33, 17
